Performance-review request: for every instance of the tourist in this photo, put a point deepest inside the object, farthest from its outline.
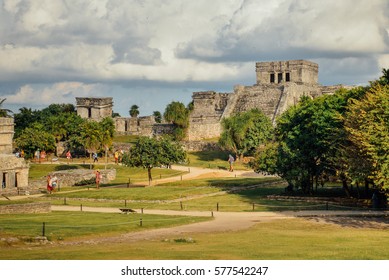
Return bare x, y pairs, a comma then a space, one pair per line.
54, 182
43, 155
98, 178
38, 155
231, 162
68, 156
95, 157
49, 186
116, 157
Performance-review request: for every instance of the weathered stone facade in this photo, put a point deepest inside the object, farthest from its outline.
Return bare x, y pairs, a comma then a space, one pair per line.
13, 170
94, 108
280, 84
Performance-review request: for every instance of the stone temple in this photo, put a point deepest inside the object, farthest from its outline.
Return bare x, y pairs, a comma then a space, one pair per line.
279, 85
13, 170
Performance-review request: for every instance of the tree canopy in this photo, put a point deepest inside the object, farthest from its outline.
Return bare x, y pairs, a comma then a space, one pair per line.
134, 111
244, 132
177, 114
151, 152
344, 135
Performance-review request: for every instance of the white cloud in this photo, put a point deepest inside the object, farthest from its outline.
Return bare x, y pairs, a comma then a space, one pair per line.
46, 43
38, 95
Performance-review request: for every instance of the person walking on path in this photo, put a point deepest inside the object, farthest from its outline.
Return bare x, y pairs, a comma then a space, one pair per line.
231, 162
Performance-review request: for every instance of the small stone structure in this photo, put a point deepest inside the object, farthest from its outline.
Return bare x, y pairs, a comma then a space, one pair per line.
280, 84
94, 108
13, 170
73, 177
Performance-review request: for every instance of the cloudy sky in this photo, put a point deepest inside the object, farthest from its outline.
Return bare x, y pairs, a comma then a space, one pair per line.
150, 52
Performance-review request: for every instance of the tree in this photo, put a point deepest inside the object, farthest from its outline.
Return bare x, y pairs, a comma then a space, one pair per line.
90, 136
4, 112
134, 111
34, 138
177, 114
107, 127
367, 125
157, 116
244, 132
151, 152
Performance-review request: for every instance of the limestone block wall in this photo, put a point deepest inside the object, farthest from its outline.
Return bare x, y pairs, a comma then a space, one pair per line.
94, 108
6, 135
13, 173
26, 208
204, 120
298, 71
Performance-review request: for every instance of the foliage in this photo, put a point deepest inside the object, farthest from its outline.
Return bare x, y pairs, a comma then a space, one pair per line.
151, 152
177, 114
344, 135
93, 136
157, 116
367, 124
244, 132
134, 111
4, 112
34, 138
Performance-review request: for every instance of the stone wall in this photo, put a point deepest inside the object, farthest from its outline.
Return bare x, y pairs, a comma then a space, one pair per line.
73, 177
13, 170
27, 208
6, 135
197, 146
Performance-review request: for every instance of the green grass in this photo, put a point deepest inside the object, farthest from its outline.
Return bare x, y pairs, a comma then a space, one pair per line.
79, 225
213, 159
125, 138
290, 239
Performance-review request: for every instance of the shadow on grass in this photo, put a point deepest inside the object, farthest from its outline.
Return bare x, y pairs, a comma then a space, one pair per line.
64, 167
211, 155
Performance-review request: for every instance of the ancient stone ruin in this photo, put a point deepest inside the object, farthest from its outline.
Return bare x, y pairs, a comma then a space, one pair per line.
98, 108
280, 84
13, 170
94, 108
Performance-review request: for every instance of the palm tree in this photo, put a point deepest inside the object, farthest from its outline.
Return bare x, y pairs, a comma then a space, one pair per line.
134, 111
4, 112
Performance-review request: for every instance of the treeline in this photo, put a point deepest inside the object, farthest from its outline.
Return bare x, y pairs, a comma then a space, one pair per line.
44, 129
344, 135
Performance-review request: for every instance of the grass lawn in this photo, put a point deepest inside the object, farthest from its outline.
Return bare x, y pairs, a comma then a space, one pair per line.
213, 159
76, 225
291, 239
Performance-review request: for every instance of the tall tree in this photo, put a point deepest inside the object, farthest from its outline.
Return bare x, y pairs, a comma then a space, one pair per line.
244, 132
177, 114
134, 111
367, 124
107, 128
